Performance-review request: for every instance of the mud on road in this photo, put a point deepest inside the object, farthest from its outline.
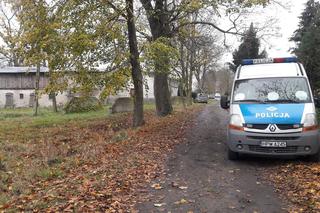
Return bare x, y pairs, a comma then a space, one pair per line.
199, 177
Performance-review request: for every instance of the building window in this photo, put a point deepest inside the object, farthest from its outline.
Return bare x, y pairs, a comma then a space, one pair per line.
21, 96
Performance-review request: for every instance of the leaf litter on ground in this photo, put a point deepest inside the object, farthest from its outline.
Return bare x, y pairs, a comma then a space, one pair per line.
299, 183
92, 171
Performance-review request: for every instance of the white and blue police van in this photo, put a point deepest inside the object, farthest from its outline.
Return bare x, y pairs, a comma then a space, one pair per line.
272, 110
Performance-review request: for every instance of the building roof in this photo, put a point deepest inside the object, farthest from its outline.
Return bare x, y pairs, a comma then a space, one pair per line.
270, 70
6, 70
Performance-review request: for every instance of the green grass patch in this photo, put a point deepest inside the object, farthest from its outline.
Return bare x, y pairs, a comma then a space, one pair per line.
21, 118
49, 173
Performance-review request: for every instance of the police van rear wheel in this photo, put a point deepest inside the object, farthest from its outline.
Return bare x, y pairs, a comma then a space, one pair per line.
232, 155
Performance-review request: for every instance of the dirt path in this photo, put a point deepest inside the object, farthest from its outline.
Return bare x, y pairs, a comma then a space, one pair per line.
213, 183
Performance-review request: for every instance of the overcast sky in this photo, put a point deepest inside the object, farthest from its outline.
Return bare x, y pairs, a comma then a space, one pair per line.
288, 21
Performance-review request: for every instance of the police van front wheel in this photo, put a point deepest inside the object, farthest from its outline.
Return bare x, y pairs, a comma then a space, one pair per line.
232, 155
315, 158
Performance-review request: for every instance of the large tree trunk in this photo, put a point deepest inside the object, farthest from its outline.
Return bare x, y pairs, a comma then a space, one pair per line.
138, 118
162, 94
159, 25
37, 90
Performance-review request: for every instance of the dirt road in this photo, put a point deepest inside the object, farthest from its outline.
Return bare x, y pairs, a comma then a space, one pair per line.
200, 179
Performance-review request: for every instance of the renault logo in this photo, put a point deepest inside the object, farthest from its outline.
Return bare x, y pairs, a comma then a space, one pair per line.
272, 128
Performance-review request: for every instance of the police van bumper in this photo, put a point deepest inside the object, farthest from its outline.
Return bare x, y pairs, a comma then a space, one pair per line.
297, 144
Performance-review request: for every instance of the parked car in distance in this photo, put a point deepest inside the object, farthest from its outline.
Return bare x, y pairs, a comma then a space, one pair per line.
217, 96
201, 98
211, 96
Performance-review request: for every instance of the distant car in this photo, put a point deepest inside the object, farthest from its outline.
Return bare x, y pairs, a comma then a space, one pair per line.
211, 96
201, 98
217, 96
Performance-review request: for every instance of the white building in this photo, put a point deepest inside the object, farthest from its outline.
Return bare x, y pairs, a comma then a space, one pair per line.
17, 88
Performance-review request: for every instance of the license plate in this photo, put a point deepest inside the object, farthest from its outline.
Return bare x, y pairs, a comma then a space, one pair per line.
273, 144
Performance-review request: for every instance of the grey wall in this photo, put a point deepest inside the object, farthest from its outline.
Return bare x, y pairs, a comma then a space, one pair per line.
21, 80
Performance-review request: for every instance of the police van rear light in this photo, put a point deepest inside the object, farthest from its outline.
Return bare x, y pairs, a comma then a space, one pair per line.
269, 60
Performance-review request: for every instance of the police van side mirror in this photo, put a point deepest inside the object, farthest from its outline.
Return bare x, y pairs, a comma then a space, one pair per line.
224, 102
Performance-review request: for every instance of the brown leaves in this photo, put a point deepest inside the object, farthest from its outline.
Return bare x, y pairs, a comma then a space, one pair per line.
300, 183
105, 165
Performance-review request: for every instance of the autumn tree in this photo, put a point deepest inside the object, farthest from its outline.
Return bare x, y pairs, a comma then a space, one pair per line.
224, 80
208, 54
166, 18
95, 47
136, 72
210, 81
33, 18
198, 55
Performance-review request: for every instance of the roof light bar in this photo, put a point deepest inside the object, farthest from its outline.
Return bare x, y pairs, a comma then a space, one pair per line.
269, 60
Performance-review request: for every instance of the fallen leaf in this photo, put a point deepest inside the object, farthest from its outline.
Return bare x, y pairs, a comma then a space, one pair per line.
159, 204
156, 186
182, 201
183, 187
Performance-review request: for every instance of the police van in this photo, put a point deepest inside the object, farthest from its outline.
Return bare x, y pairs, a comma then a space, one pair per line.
272, 110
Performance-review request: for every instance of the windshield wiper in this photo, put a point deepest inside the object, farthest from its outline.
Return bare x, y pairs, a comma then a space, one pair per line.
252, 100
283, 101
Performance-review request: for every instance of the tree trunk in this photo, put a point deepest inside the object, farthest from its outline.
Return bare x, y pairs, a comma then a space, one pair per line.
159, 25
138, 117
54, 102
52, 94
162, 94
37, 90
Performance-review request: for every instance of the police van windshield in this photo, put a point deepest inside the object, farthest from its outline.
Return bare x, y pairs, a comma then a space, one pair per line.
272, 90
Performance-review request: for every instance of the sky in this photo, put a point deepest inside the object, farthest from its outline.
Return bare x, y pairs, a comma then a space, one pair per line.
287, 23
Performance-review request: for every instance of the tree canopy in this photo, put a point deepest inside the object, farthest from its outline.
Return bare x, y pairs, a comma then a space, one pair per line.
307, 38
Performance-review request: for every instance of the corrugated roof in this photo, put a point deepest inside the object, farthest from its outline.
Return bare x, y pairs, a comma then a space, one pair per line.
7, 70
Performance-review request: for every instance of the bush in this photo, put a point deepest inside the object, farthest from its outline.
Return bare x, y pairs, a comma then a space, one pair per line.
83, 104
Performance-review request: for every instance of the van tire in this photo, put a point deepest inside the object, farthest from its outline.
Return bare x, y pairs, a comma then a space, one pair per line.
232, 155
314, 158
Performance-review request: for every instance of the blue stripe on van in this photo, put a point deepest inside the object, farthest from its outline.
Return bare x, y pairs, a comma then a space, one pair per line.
272, 113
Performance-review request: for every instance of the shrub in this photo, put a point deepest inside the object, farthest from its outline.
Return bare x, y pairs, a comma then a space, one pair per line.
83, 104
